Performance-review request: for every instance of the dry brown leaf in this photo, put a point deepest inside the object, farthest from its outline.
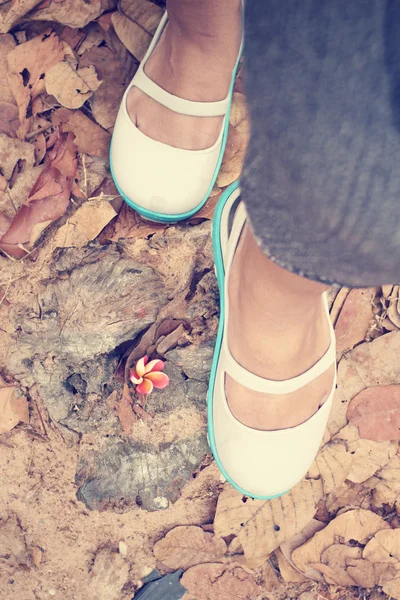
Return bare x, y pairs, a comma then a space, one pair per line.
12, 12
386, 484
84, 225
231, 170
262, 526
332, 464
69, 86
135, 25
367, 455
89, 137
367, 575
73, 13
384, 547
12, 543
288, 573
9, 121
391, 587
28, 65
359, 525
376, 413
239, 110
116, 67
49, 197
186, 546
334, 563
290, 545
39, 145
354, 319
7, 43
11, 151
13, 409
130, 225
214, 581
354, 495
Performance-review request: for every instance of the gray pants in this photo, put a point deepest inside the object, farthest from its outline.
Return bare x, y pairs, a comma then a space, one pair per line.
322, 174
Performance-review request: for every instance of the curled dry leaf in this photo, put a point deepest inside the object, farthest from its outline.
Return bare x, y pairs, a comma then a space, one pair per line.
13, 13
290, 545
7, 43
89, 137
115, 65
384, 547
367, 574
13, 409
376, 413
334, 563
214, 581
332, 464
359, 525
186, 546
367, 455
84, 225
354, 319
49, 197
28, 65
69, 86
73, 13
135, 24
262, 526
386, 485
11, 151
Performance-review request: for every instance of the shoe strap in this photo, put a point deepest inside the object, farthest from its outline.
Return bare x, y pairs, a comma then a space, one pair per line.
230, 364
174, 103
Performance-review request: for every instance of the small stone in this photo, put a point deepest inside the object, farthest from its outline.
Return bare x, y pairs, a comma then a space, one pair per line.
123, 548
52, 592
160, 502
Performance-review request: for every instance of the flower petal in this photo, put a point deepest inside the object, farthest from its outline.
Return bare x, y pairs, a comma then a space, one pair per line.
140, 366
134, 378
146, 387
159, 380
154, 365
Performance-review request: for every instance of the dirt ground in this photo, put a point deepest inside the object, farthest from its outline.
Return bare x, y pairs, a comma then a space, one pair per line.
99, 488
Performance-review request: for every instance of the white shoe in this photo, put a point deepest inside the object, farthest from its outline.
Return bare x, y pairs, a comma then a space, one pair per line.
160, 182
260, 464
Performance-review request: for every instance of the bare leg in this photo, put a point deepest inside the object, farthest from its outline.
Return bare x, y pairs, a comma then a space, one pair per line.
194, 60
277, 329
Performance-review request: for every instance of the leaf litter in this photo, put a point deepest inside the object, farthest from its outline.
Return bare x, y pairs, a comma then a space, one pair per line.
63, 71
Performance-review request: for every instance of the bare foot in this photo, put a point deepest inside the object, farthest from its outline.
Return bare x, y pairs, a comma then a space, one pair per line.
277, 329
195, 65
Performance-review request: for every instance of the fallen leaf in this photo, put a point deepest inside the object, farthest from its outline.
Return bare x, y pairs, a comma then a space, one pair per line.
12, 544
11, 151
73, 13
9, 122
108, 575
239, 110
384, 547
376, 413
215, 582
334, 563
367, 455
348, 494
130, 225
288, 573
89, 137
13, 409
386, 485
231, 170
354, 319
367, 575
135, 25
13, 13
262, 526
116, 66
290, 545
49, 197
28, 65
69, 86
186, 546
7, 43
84, 225
359, 525
392, 587
39, 146
332, 464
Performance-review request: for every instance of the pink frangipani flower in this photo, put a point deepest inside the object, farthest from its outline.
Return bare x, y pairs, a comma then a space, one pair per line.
147, 375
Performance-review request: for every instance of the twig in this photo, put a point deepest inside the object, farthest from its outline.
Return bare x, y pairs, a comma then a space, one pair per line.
5, 293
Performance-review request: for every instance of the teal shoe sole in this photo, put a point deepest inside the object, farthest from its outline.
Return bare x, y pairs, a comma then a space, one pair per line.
164, 218
220, 272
